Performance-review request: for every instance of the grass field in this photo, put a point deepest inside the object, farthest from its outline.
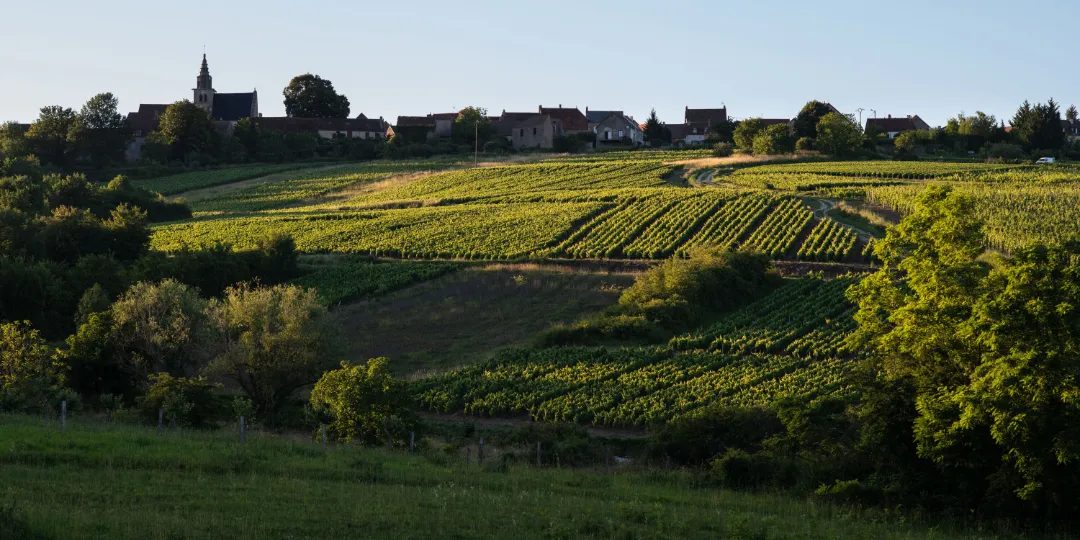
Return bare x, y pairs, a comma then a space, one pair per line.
98, 481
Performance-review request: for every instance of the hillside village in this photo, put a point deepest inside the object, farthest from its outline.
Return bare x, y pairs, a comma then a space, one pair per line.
522, 130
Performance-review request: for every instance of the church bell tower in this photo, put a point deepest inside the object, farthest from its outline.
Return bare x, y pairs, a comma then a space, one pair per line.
204, 89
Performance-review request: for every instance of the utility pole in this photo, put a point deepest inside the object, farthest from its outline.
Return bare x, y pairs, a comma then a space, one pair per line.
476, 143
860, 109
875, 113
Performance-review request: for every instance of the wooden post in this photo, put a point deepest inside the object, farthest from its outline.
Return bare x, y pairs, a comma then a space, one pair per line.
108, 417
63, 415
322, 429
480, 453
467, 452
412, 442
160, 420
241, 428
538, 453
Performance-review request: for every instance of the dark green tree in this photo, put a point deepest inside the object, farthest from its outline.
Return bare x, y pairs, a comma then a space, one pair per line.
187, 129
655, 132
746, 131
311, 96
1038, 127
472, 124
105, 130
837, 135
13, 143
806, 123
55, 135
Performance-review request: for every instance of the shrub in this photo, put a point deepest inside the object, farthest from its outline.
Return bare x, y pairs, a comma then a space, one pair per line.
738, 469
365, 402
804, 144
191, 402
723, 149
29, 373
1003, 153
696, 439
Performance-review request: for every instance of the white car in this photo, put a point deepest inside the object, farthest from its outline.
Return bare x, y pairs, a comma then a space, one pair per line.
1045, 160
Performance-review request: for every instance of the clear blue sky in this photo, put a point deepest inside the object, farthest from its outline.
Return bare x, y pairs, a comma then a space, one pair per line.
760, 58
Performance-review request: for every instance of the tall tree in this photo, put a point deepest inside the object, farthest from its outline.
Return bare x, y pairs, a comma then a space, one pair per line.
1071, 113
655, 132
746, 131
54, 136
106, 130
187, 129
472, 123
1038, 127
837, 135
806, 123
311, 96
13, 143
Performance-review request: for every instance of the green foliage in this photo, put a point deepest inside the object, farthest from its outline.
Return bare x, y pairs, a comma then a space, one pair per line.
655, 132
681, 291
775, 139
472, 124
185, 402
273, 341
365, 402
188, 130
29, 373
804, 144
808, 122
746, 132
345, 282
172, 185
723, 149
311, 96
161, 328
1038, 127
837, 135
54, 136
13, 143
106, 132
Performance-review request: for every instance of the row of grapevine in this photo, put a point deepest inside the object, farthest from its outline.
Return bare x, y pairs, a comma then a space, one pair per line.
910, 170
781, 229
660, 239
343, 282
730, 224
608, 238
180, 183
828, 241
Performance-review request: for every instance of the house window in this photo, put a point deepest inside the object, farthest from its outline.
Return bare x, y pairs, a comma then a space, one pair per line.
622, 133
534, 131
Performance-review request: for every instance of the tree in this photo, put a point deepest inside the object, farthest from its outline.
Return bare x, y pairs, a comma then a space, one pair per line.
1038, 127
54, 136
106, 130
723, 132
837, 135
28, 370
187, 129
1071, 114
311, 96
365, 402
13, 143
775, 139
472, 123
746, 131
272, 341
160, 328
905, 142
655, 132
808, 119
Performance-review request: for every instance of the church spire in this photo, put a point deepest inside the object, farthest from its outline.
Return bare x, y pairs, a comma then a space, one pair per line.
204, 82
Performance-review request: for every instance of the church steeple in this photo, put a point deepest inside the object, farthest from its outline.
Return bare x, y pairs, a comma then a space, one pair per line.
204, 82
204, 88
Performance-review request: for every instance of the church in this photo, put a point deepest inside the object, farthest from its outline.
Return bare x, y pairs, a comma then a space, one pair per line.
224, 108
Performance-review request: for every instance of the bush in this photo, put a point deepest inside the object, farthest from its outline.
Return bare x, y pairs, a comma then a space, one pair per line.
1003, 153
804, 144
696, 439
29, 373
738, 469
723, 149
365, 403
849, 492
190, 402
679, 292
599, 329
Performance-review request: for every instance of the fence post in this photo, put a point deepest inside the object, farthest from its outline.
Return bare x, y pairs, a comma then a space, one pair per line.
480, 453
108, 417
63, 415
241, 428
538, 453
412, 442
160, 420
468, 451
322, 428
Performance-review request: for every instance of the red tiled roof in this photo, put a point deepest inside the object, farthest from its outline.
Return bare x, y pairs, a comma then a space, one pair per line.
572, 119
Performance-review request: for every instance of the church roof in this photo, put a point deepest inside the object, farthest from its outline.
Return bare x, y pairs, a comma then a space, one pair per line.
146, 119
233, 107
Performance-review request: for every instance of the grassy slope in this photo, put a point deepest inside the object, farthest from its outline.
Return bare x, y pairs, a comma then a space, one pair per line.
97, 481
464, 317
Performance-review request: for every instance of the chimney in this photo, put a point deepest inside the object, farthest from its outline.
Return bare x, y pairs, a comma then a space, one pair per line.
890, 116
560, 105
586, 109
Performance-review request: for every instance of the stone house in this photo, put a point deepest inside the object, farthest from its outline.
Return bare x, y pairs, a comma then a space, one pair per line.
356, 128
699, 122
504, 124
614, 127
572, 120
538, 131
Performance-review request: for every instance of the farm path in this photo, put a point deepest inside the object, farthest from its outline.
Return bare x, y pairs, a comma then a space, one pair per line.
822, 211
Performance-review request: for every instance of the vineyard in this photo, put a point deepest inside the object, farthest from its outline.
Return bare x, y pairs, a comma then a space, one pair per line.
789, 343
180, 183
350, 281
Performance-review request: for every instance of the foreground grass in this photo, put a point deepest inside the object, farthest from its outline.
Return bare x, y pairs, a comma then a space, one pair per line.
97, 481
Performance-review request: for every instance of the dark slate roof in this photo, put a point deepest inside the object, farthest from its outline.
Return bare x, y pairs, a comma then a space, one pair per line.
313, 125
595, 117
415, 121
147, 118
678, 131
892, 125
445, 116
706, 116
510, 120
572, 119
535, 120
233, 107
